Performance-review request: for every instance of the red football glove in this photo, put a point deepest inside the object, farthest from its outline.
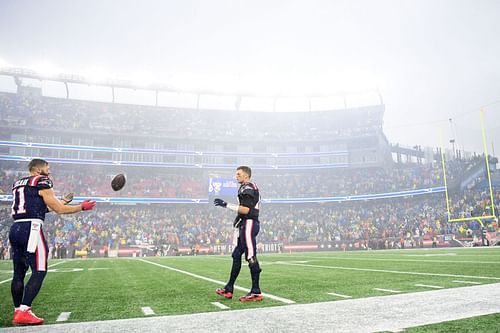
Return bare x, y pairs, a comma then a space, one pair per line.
87, 204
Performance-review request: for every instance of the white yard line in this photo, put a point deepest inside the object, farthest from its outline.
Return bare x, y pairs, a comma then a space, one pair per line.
390, 271
57, 263
220, 305
147, 311
428, 286
466, 282
387, 290
339, 295
276, 298
64, 316
398, 260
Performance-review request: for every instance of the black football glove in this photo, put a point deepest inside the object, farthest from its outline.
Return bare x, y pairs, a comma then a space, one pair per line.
220, 202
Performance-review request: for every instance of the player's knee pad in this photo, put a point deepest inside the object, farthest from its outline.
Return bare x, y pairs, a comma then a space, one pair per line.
254, 265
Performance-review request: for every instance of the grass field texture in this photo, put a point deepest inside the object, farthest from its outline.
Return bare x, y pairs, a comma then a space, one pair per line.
101, 289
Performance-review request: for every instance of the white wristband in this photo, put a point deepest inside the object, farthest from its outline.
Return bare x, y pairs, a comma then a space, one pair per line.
232, 207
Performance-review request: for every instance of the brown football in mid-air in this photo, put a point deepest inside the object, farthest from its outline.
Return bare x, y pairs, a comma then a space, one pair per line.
118, 182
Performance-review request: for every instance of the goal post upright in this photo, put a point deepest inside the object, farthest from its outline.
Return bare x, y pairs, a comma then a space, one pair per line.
443, 164
481, 116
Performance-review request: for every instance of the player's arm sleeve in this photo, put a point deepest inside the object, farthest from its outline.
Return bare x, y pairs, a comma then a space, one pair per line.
44, 183
250, 202
249, 196
247, 200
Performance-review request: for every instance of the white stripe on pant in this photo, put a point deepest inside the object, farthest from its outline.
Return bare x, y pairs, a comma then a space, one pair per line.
40, 253
248, 238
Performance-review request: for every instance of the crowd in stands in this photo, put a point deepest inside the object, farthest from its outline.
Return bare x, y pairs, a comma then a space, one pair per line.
71, 115
187, 225
84, 183
176, 184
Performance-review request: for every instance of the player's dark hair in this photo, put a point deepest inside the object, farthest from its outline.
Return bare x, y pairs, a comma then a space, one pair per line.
36, 162
245, 169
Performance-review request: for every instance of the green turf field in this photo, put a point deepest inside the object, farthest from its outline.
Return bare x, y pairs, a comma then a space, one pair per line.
100, 289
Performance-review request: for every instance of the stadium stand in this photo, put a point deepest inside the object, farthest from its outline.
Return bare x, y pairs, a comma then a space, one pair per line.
202, 144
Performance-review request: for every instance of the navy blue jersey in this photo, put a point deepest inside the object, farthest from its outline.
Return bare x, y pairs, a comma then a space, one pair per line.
26, 202
248, 196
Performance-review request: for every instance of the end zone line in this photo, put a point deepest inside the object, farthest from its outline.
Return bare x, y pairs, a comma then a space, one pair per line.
389, 271
63, 316
276, 298
57, 263
220, 305
387, 290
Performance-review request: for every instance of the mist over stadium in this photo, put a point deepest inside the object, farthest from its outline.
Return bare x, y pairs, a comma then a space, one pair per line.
370, 130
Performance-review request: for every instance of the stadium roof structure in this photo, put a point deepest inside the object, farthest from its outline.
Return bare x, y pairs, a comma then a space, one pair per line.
344, 100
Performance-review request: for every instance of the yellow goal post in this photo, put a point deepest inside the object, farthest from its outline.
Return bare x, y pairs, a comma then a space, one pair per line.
443, 162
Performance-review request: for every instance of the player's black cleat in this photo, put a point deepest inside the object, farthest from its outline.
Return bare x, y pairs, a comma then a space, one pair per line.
250, 297
223, 292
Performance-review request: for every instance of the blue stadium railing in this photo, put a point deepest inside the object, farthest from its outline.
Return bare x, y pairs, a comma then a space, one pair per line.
363, 197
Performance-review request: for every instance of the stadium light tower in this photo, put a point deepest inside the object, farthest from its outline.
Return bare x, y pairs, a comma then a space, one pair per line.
452, 141
453, 134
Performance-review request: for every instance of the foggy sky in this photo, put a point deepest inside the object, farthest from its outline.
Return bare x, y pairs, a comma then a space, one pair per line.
431, 60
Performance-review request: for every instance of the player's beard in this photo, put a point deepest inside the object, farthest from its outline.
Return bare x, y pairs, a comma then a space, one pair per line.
44, 173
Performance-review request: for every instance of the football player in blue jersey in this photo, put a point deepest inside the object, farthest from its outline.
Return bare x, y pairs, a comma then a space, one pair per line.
33, 197
247, 223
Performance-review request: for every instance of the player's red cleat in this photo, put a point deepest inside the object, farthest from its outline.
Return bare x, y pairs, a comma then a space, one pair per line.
223, 292
26, 318
251, 297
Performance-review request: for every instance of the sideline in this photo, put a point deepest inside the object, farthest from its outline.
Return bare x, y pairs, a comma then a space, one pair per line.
355, 315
